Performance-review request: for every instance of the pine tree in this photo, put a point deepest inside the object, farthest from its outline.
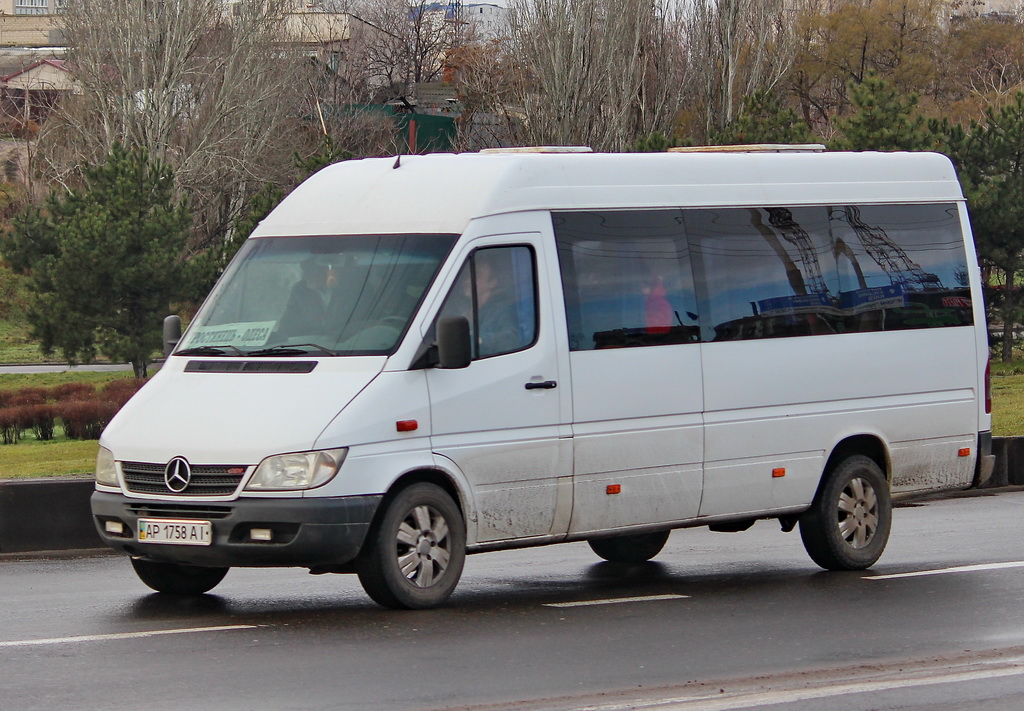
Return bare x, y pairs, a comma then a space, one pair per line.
105, 261
763, 119
989, 156
656, 142
883, 120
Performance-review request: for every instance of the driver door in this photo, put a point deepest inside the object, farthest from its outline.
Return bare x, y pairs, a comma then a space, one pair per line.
503, 419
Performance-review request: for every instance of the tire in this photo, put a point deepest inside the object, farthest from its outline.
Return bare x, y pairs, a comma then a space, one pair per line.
177, 578
630, 549
848, 524
414, 553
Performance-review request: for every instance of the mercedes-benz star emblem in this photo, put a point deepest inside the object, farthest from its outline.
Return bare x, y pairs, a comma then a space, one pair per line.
177, 475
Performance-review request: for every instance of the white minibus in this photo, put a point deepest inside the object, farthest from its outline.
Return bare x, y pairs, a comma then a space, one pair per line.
417, 358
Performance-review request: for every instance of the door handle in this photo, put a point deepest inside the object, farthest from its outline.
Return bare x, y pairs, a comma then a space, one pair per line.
545, 385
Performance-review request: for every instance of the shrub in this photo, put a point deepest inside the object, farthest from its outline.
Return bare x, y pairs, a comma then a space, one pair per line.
82, 409
41, 419
10, 431
28, 396
121, 391
73, 391
85, 419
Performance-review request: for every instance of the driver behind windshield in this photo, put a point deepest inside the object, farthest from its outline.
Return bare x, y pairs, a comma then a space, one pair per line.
310, 300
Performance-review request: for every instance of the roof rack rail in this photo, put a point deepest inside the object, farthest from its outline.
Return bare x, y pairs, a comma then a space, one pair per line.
754, 148
537, 149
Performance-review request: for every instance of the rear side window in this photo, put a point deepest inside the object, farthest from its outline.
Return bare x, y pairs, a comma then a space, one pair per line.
776, 272
626, 278
901, 267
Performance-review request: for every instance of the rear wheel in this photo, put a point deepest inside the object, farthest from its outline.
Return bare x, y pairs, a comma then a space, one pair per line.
630, 549
414, 553
178, 578
848, 524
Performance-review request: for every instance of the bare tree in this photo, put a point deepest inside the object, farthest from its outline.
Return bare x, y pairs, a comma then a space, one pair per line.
210, 93
596, 72
408, 42
486, 76
740, 46
341, 89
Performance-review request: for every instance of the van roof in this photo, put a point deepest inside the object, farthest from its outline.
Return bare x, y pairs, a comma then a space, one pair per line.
442, 193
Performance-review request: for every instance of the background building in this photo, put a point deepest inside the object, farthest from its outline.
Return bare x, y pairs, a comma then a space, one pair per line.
32, 7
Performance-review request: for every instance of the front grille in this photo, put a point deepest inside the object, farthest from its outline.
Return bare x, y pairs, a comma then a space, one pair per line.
178, 511
145, 478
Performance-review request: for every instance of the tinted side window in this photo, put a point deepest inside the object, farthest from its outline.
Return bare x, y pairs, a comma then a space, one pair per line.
763, 272
900, 267
775, 272
626, 279
496, 292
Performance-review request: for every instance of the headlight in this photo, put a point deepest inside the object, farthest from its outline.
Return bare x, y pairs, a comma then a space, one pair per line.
106, 470
302, 470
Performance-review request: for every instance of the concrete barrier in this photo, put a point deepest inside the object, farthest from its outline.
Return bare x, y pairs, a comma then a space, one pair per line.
46, 515
1009, 466
53, 514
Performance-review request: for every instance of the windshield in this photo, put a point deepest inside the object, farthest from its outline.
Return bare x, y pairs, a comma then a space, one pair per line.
329, 295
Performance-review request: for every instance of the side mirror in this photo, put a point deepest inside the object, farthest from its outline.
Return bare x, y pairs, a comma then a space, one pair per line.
454, 344
172, 334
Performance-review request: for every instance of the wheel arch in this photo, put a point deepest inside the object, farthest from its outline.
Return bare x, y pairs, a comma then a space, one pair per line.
868, 445
421, 475
427, 475
829, 526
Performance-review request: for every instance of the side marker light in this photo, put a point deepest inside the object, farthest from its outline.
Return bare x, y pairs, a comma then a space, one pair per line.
613, 489
778, 473
965, 452
407, 425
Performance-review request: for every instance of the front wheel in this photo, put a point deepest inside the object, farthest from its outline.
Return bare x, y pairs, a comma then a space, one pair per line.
414, 553
630, 549
177, 578
848, 524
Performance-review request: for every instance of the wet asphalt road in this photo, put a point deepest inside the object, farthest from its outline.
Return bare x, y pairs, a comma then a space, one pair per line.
719, 621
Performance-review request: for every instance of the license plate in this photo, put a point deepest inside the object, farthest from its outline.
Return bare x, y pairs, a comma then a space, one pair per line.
181, 533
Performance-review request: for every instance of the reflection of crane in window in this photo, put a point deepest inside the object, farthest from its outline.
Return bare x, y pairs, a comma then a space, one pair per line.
806, 278
840, 248
892, 258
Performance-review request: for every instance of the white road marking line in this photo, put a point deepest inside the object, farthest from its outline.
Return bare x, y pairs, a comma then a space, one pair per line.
122, 635
731, 702
615, 600
944, 571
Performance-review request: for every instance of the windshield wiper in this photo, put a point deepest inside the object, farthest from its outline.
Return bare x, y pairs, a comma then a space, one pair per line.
208, 351
290, 350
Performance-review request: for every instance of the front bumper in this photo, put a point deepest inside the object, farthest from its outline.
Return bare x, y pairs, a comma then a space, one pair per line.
313, 532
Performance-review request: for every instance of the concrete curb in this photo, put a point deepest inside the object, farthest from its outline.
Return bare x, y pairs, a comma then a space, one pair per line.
1009, 466
46, 515
39, 515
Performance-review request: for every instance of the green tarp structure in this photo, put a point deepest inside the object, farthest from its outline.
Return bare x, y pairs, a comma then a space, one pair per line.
431, 134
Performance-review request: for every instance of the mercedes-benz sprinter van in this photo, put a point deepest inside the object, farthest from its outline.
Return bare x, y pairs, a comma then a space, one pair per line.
413, 359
